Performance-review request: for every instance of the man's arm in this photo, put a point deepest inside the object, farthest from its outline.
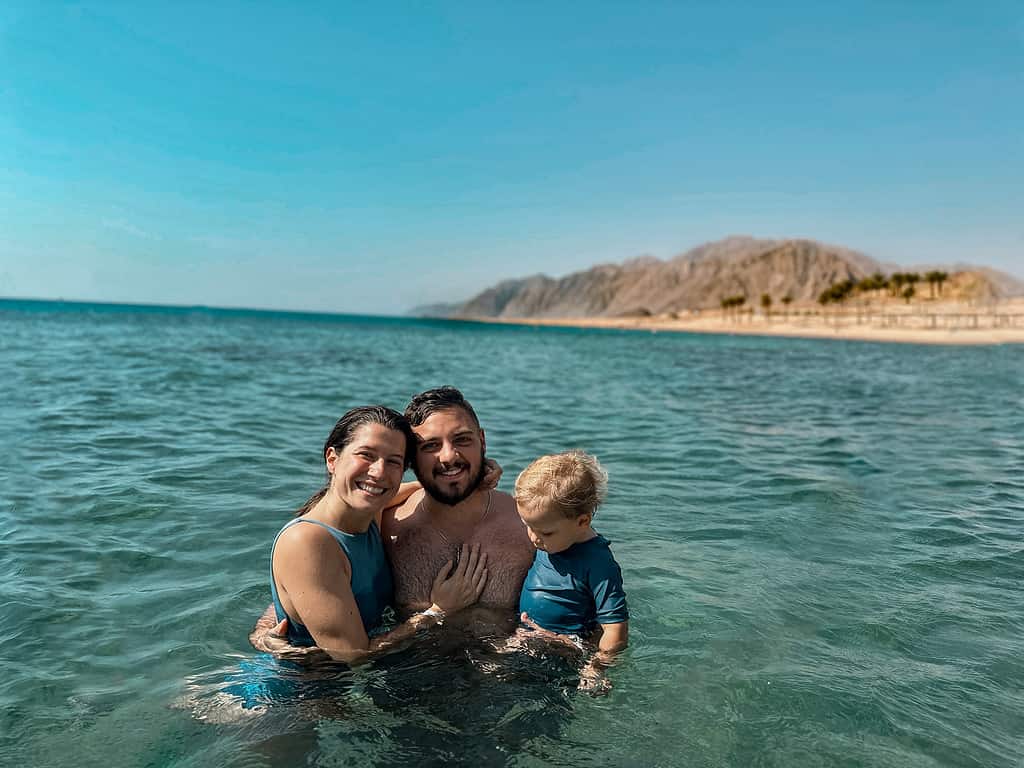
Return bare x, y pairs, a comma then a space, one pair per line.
264, 625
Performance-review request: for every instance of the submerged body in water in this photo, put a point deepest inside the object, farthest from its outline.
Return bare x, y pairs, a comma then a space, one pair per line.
817, 574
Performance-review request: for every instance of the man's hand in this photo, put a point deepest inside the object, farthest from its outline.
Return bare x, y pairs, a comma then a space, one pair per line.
273, 638
454, 590
264, 625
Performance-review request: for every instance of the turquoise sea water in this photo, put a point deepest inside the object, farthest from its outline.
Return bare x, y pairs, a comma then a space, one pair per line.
822, 542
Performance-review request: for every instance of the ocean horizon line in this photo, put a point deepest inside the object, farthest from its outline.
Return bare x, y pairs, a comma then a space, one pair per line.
144, 305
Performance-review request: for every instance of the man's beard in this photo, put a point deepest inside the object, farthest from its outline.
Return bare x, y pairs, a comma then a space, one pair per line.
451, 499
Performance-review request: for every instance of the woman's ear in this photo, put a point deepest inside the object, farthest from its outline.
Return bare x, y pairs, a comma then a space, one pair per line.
331, 458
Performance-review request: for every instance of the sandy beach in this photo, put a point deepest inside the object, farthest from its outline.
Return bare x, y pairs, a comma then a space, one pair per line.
915, 324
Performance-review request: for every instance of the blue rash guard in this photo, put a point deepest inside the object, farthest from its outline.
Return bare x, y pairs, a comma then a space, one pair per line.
572, 591
371, 578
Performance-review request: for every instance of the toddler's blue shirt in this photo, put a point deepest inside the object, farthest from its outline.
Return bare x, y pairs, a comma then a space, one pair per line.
572, 591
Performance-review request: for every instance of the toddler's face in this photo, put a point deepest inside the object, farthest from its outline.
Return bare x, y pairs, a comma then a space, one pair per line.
550, 530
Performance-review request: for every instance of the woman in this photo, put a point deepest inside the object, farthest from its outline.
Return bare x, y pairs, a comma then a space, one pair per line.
329, 576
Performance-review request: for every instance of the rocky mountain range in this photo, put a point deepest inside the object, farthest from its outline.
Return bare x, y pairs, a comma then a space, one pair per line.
697, 279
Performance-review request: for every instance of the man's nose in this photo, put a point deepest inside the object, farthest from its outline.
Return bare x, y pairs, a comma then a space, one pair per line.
448, 453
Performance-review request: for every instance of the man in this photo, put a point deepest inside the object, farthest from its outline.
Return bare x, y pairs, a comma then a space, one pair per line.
429, 528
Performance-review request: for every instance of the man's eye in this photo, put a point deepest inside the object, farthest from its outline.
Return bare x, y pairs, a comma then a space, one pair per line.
395, 462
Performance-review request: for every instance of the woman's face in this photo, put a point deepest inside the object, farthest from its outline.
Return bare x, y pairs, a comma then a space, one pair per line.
366, 473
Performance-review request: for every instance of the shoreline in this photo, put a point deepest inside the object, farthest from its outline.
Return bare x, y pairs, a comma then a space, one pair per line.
847, 328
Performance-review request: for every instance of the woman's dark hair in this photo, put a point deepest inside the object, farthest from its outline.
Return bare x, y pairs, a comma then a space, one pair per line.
345, 430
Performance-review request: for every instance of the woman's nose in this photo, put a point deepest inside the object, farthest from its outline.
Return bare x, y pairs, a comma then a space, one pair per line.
377, 468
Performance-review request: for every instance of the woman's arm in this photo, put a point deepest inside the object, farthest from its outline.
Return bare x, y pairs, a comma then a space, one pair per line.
405, 490
314, 582
492, 474
322, 599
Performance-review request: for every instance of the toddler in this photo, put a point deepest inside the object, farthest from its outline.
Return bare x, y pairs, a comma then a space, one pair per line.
574, 587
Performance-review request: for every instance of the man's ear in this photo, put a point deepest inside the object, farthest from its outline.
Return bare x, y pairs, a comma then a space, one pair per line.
483, 440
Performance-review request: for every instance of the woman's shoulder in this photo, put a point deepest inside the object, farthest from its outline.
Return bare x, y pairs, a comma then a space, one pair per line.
304, 534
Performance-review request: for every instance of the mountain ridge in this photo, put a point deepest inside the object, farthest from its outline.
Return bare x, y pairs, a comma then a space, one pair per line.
696, 279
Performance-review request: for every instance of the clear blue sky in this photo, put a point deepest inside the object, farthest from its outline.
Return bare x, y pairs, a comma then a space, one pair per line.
344, 159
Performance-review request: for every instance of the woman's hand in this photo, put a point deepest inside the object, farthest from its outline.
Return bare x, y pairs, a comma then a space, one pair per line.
454, 590
492, 474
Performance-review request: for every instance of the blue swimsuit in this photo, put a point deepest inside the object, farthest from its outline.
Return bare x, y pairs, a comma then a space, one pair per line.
572, 591
371, 578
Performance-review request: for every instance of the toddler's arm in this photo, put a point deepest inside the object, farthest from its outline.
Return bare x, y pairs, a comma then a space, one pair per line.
614, 639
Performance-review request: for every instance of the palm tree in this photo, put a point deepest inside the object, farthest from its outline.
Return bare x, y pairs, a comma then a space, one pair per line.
732, 303
766, 304
786, 301
908, 292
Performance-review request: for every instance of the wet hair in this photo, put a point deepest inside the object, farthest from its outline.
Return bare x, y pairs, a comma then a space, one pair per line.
345, 429
426, 404
574, 483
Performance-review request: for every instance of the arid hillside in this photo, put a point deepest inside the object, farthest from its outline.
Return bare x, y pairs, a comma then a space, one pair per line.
794, 270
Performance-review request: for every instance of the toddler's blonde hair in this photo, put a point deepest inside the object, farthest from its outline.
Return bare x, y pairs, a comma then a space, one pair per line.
574, 483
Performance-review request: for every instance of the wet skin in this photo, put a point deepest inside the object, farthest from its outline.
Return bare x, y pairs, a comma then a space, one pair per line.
425, 531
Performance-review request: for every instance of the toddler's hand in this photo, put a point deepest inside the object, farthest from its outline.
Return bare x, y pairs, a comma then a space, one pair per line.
593, 681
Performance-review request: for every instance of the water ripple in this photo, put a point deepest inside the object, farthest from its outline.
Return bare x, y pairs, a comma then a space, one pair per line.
822, 544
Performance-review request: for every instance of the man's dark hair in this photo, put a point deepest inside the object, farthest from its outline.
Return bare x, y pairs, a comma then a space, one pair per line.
426, 404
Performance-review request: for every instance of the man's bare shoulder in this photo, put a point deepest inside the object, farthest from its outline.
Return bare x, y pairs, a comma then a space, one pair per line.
503, 507
505, 525
503, 500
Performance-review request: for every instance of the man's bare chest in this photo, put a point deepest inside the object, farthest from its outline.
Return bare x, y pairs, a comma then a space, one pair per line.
418, 552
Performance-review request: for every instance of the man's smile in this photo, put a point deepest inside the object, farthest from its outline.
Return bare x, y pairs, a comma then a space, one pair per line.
450, 473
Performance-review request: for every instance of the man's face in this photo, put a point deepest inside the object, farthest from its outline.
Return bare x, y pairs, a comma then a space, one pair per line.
449, 455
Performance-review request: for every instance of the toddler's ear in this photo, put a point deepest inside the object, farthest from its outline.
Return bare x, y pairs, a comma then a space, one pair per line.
584, 520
